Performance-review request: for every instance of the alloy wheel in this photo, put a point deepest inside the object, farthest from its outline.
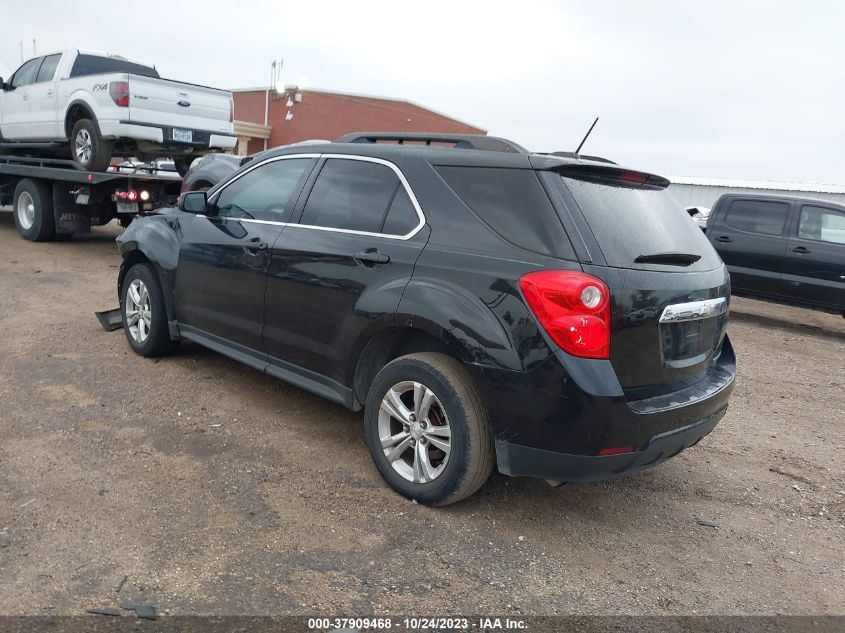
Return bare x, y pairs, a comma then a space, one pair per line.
414, 432
83, 145
138, 312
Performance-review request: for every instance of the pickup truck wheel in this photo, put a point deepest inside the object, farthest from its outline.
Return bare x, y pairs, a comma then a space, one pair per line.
33, 206
88, 150
427, 429
144, 313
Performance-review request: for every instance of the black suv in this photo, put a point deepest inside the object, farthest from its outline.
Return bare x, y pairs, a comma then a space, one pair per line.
782, 248
557, 316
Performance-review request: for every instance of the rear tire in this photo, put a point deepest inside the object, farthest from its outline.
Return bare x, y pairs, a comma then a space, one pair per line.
33, 210
144, 313
443, 427
87, 148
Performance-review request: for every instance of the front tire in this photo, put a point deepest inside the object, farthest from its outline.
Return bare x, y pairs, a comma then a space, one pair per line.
87, 148
33, 207
427, 429
144, 313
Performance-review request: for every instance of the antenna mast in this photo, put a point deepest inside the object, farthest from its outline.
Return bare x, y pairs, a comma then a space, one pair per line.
584, 140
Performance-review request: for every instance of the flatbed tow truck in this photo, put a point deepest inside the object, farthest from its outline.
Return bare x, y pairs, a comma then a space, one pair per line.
53, 199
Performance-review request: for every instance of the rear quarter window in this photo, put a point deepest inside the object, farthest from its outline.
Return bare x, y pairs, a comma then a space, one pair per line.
513, 203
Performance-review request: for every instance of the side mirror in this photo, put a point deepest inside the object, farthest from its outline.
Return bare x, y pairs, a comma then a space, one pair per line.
193, 202
2, 84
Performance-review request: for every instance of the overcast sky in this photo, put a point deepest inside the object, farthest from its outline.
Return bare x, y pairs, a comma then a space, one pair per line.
735, 89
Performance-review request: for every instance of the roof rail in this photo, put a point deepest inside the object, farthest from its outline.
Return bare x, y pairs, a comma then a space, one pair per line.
598, 159
460, 141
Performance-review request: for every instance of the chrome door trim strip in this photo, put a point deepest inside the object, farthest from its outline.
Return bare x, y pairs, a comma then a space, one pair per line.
694, 310
366, 159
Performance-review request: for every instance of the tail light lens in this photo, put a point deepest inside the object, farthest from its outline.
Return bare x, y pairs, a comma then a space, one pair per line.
130, 194
231, 111
573, 308
119, 91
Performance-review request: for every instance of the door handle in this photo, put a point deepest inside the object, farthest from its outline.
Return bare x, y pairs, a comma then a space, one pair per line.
49, 93
255, 246
724, 238
800, 249
24, 98
370, 257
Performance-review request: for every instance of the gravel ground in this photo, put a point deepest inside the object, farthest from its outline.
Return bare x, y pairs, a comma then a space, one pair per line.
201, 486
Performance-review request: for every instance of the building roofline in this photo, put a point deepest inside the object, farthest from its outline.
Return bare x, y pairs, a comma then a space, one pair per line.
772, 185
359, 95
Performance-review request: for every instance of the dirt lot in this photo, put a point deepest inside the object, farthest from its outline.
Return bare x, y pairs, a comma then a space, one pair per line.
202, 486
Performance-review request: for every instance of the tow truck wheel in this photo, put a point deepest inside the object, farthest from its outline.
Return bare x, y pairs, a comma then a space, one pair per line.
33, 207
87, 149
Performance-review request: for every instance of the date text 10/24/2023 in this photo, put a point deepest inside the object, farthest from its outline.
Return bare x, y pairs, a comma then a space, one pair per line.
416, 624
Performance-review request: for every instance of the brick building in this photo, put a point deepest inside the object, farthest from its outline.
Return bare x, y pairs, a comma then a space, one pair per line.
299, 115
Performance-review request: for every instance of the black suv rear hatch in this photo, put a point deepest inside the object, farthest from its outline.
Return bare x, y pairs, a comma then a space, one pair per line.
669, 289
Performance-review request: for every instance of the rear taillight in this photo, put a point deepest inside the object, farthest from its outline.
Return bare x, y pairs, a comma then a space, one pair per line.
573, 308
231, 111
119, 91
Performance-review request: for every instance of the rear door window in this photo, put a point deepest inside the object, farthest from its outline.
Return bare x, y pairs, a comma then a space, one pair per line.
48, 68
401, 217
757, 216
97, 65
635, 221
513, 203
821, 224
356, 195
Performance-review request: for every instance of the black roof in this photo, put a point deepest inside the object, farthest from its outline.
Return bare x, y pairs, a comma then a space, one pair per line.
466, 150
775, 197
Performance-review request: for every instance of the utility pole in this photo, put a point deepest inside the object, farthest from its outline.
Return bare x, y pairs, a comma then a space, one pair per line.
275, 69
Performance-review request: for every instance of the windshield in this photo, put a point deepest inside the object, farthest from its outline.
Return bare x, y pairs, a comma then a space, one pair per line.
639, 222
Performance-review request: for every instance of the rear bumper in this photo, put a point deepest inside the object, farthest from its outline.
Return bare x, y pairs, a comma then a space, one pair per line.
527, 461
554, 420
162, 135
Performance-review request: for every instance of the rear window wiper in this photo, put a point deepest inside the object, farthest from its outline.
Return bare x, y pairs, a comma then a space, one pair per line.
670, 259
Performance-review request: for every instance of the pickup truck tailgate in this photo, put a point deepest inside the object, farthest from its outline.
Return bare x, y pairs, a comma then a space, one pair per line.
179, 105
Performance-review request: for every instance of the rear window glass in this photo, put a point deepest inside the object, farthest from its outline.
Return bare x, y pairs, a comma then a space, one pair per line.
629, 222
757, 216
514, 204
95, 65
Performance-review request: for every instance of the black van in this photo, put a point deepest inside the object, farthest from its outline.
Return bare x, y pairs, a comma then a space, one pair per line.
781, 248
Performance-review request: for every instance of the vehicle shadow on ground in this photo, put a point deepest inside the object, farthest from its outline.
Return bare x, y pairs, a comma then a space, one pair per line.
787, 324
522, 501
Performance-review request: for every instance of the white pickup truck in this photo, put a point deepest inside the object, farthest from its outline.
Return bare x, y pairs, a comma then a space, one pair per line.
103, 105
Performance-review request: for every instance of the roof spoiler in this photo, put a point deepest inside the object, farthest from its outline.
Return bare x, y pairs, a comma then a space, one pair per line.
613, 175
459, 141
597, 159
